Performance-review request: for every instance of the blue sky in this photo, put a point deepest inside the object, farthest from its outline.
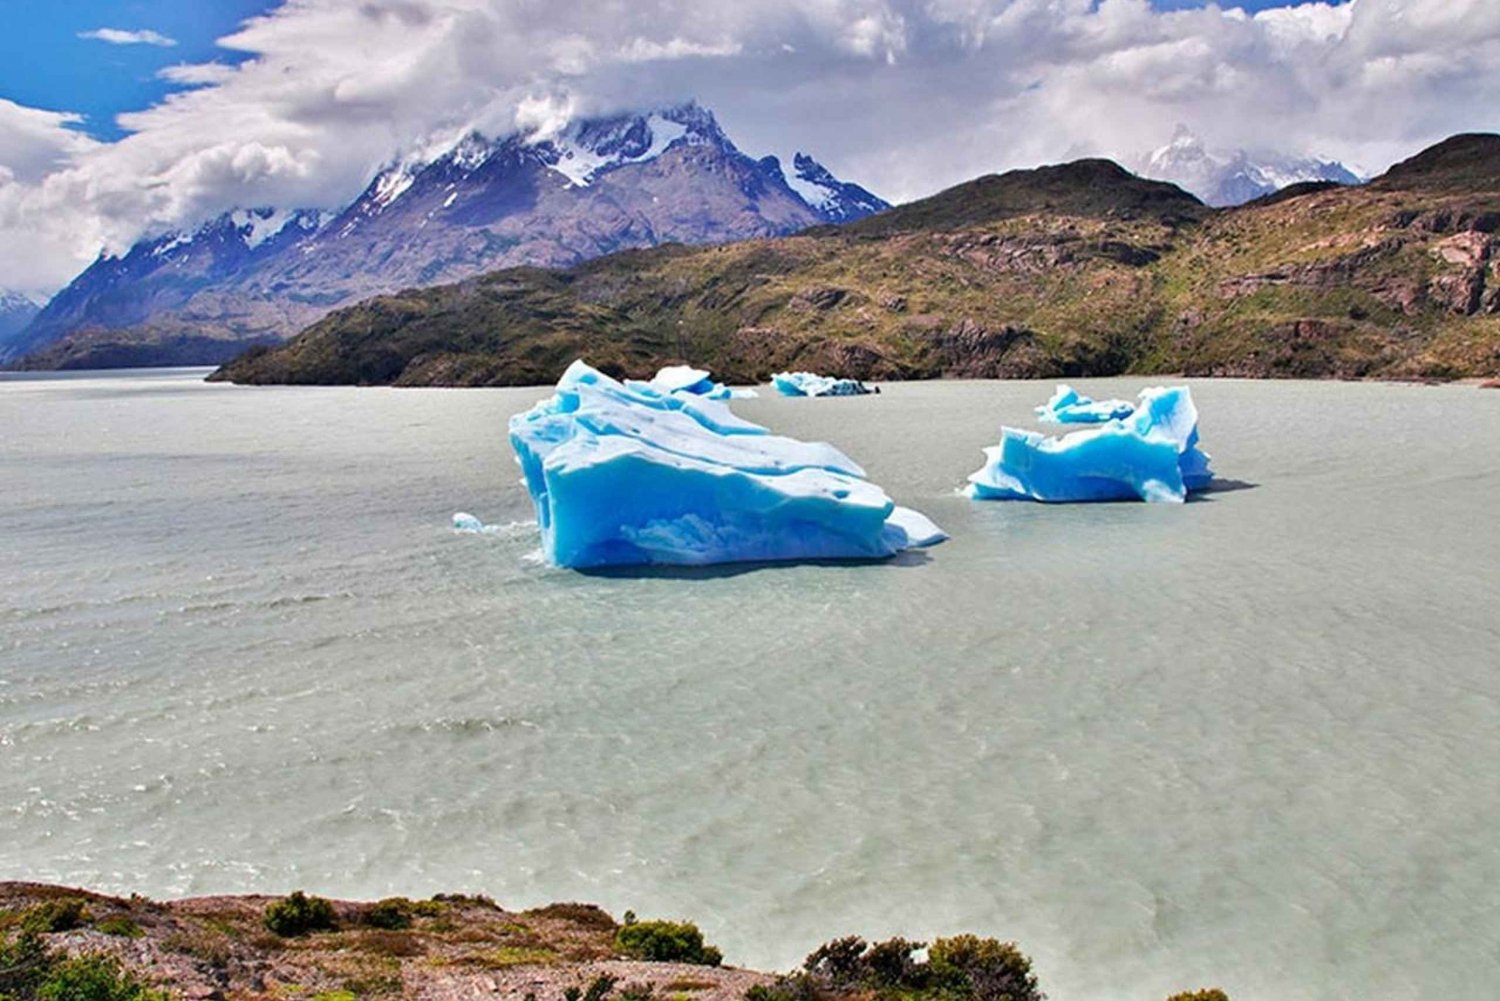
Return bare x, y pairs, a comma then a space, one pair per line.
45, 64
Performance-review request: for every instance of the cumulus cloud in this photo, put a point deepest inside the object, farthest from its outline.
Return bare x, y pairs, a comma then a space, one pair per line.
904, 96
119, 36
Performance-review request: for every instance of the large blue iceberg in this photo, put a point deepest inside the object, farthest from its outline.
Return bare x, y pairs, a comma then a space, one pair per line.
1067, 407
625, 474
1152, 455
696, 382
811, 384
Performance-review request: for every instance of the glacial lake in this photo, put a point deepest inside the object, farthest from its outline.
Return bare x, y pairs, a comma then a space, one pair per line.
1251, 742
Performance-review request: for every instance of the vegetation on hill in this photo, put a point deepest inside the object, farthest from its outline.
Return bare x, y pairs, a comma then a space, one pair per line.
1075, 270
59, 944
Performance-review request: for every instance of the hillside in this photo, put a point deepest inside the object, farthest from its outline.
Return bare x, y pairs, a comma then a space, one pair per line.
260, 275
62, 943
1081, 269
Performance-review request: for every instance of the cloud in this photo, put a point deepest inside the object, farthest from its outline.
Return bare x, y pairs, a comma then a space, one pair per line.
118, 36
904, 96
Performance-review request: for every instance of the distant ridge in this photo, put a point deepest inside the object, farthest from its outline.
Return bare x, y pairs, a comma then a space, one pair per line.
1064, 271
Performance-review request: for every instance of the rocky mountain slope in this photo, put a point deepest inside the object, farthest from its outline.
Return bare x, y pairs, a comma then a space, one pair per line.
1079, 269
257, 276
16, 311
1233, 178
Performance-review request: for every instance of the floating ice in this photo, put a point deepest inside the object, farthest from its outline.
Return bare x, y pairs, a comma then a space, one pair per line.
463, 521
1153, 454
627, 474
1067, 407
697, 382
810, 384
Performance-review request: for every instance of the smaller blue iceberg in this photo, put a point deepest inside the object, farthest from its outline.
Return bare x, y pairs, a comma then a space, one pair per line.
810, 384
696, 382
1068, 407
1151, 455
626, 474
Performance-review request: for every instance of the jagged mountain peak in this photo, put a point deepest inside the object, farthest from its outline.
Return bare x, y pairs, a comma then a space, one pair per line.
446, 212
836, 200
1233, 177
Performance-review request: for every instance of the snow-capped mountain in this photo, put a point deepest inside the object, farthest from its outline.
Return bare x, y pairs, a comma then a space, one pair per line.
1233, 178
16, 311
838, 200
634, 180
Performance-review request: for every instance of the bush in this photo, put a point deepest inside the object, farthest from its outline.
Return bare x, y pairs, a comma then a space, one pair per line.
984, 968
840, 963
62, 914
666, 942
29, 970
1207, 994
299, 914
391, 914
121, 926
962, 968
93, 978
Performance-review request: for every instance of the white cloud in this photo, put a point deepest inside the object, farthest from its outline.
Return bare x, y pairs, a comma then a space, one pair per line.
118, 36
904, 96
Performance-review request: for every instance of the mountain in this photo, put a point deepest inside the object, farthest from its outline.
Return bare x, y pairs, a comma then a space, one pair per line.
1066, 271
16, 311
1223, 179
602, 185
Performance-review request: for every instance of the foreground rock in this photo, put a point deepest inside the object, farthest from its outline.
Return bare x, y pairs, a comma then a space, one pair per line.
624, 474
444, 949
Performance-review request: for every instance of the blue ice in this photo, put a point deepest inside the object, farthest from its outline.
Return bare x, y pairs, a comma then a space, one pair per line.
811, 384
696, 382
1152, 455
1068, 407
626, 474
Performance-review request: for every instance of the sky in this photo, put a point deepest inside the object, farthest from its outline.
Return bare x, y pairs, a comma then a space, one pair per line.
123, 118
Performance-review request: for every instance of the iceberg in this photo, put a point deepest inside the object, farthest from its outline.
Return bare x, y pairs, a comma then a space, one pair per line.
626, 474
811, 384
1068, 407
1152, 455
695, 382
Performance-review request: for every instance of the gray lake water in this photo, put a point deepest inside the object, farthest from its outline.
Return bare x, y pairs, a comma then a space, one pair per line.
1250, 742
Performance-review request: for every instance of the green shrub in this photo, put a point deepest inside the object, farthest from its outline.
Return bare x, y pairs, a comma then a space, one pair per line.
1207, 994
93, 978
796, 987
891, 964
962, 968
29, 971
62, 914
120, 925
839, 963
983, 968
666, 942
391, 914
299, 914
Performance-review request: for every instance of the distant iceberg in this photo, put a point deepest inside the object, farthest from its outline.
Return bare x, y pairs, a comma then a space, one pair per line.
625, 474
810, 384
1152, 455
1067, 407
696, 382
